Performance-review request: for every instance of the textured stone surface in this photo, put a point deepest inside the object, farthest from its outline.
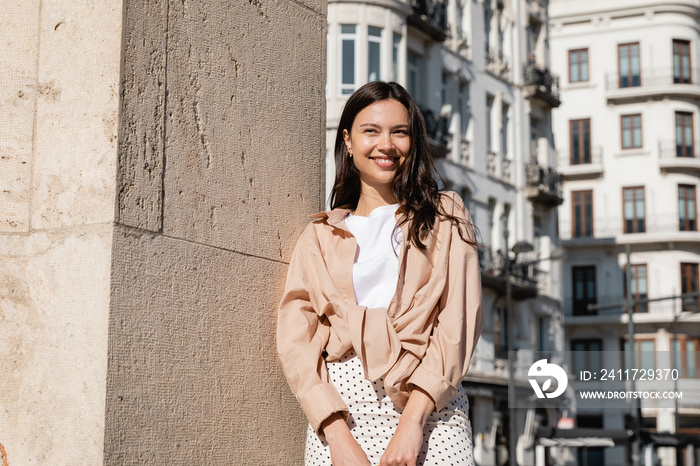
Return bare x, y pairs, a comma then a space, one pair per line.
245, 119
221, 144
60, 76
194, 377
54, 296
76, 122
18, 49
142, 125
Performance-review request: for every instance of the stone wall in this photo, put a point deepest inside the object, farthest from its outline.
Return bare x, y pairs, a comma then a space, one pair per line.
157, 162
223, 105
59, 95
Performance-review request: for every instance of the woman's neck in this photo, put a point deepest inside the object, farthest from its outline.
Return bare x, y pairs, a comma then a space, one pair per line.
371, 198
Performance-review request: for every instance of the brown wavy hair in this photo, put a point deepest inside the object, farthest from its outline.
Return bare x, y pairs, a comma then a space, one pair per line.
415, 184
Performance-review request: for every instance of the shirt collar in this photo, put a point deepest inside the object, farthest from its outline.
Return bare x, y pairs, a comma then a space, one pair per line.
337, 216
333, 217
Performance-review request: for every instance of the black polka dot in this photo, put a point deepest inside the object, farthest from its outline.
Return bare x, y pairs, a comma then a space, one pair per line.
373, 420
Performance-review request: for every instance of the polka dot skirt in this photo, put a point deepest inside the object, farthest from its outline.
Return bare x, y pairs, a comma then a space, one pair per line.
373, 420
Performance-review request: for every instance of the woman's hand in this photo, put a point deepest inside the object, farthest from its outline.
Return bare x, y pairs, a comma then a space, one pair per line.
405, 444
344, 449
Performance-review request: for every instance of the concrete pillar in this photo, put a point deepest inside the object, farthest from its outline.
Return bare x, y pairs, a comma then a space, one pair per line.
157, 162
60, 65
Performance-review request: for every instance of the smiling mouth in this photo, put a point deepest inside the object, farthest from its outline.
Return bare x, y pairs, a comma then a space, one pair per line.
384, 161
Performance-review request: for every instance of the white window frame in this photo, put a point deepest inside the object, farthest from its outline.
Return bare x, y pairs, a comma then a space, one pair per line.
345, 89
374, 39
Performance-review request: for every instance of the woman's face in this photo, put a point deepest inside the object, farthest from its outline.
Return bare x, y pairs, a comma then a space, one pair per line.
379, 142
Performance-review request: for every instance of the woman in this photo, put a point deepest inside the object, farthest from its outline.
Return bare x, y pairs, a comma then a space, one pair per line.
382, 307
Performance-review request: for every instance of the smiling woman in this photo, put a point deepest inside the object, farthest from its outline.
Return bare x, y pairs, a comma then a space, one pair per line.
380, 142
382, 307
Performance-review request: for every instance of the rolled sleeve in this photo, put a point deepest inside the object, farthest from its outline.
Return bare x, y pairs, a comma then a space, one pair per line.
319, 402
301, 338
459, 320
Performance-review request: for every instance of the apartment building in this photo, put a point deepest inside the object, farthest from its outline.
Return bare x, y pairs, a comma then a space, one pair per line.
479, 70
625, 135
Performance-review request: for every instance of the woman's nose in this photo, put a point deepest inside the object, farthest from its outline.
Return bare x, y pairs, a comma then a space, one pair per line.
386, 143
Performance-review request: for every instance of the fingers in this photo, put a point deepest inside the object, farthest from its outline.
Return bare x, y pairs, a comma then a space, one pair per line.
398, 460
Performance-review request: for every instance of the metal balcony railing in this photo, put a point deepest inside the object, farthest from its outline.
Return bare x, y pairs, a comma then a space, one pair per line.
545, 82
430, 16
603, 227
546, 180
593, 157
493, 263
437, 128
653, 77
672, 149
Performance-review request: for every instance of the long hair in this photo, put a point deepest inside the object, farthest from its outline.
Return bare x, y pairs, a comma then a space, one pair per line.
415, 184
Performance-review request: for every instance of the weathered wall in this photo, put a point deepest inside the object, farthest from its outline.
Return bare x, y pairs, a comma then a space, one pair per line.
59, 81
220, 159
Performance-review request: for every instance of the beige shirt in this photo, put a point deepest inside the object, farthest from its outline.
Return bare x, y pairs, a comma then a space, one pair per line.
425, 338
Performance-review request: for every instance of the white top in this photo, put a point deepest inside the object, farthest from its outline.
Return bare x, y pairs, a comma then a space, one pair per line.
375, 271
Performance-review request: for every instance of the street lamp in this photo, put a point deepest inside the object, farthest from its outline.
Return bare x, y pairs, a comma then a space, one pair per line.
520, 247
690, 302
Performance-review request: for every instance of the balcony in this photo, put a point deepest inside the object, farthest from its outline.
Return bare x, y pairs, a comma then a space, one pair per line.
437, 127
544, 185
430, 16
581, 167
651, 83
658, 229
577, 313
678, 158
541, 84
497, 64
525, 277
498, 167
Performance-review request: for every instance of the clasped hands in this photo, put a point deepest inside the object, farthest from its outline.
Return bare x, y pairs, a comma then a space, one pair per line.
404, 446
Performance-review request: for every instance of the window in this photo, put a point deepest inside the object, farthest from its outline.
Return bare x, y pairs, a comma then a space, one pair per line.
500, 328
534, 138
631, 131
687, 211
533, 37
681, 61
633, 209
684, 135
580, 141
488, 232
374, 45
489, 116
644, 353
540, 333
466, 195
582, 214
578, 65
590, 455
395, 47
347, 58
586, 355
638, 282
687, 351
628, 65
488, 17
412, 69
584, 290
689, 280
